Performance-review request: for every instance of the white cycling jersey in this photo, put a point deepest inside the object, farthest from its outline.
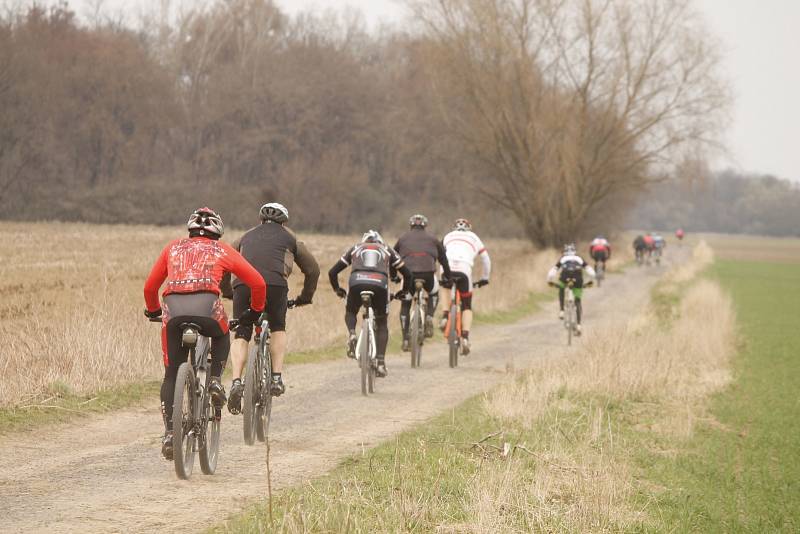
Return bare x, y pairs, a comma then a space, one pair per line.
462, 246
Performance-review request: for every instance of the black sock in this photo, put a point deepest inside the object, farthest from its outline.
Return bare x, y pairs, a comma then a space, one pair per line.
465, 334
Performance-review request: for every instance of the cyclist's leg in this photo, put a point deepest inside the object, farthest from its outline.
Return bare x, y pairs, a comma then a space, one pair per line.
464, 286
405, 312
238, 353
277, 302
432, 287
561, 296
175, 354
380, 305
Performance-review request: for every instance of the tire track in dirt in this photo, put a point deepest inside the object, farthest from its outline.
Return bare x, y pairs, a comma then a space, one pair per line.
105, 473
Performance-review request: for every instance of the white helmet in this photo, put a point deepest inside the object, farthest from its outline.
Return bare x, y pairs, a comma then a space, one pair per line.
418, 220
462, 224
372, 236
274, 212
205, 221
570, 250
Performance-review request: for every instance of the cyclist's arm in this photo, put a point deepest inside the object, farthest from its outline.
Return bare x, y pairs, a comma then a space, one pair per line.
443, 261
487, 264
310, 269
154, 280
226, 285
333, 274
251, 278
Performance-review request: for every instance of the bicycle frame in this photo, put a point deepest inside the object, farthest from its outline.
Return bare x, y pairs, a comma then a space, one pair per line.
416, 323
570, 321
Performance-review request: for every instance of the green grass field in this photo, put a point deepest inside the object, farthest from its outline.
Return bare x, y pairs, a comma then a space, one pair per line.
741, 470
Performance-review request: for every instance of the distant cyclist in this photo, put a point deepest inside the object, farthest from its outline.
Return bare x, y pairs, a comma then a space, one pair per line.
679, 234
272, 248
420, 252
371, 261
600, 251
193, 268
658, 245
462, 246
639, 248
571, 268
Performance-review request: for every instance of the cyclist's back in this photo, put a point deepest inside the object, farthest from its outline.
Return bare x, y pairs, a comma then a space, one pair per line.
421, 251
600, 250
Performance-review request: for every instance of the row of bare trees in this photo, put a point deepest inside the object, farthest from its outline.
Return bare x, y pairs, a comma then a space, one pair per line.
542, 117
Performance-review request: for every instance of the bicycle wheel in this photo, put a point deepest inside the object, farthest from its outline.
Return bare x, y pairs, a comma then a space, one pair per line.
209, 444
415, 336
183, 417
372, 363
570, 320
252, 385
452, 336
601, 272
264, 405
363, 359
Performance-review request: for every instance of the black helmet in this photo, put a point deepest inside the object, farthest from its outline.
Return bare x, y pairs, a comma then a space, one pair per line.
274, 212
418, 220
205, 221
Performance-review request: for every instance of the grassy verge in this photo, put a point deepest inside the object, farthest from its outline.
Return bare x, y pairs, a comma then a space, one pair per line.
740, 471
553, 449
59, 405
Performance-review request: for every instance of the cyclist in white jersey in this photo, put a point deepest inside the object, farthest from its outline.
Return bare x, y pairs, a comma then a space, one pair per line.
462, 246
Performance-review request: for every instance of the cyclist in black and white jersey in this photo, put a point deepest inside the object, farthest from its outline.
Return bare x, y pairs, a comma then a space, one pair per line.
370, 262
571, 268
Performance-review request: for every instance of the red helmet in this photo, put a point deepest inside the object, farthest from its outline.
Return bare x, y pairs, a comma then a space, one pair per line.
205, 221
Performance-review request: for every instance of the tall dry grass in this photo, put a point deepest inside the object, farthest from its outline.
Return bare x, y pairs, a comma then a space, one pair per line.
71, 301
580, 484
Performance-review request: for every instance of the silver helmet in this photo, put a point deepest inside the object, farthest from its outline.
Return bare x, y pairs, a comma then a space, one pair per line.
272, 211
372, 236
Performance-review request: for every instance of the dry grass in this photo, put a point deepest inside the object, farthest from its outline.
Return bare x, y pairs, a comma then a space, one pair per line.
754, 248
71, 301
580, 484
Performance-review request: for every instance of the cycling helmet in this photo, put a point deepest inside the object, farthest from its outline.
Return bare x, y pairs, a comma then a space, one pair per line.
418, 220
569, 249
205, 221
274, 212
372, 236
462, 224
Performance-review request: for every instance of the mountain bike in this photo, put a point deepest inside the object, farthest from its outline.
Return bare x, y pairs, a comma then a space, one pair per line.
366, 348
600, 272
452, 329
257, 398
416, 327
639, 256
570, 312
196, 423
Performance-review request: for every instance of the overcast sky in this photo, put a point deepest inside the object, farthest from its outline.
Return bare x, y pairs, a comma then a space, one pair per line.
762, 44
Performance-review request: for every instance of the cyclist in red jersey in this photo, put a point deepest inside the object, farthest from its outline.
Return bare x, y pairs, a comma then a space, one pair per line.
193, 268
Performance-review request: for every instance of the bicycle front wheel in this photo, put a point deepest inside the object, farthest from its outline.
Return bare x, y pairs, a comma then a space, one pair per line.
183, 422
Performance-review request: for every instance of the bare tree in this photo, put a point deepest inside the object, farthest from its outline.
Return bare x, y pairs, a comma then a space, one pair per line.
570, 102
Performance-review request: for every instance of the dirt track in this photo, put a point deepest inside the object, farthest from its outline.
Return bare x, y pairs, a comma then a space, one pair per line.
105, 474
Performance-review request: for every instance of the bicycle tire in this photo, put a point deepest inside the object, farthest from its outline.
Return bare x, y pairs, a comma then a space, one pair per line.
570, 322
452, 337
211, 417
264, 406
414, 336
252, 384
363, 360
372, 363
183, 440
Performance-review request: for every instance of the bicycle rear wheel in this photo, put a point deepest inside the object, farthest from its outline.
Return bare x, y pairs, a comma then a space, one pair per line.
452, 336
183, 419
264, 405
363, 360
209, 452
252, 385
416, 336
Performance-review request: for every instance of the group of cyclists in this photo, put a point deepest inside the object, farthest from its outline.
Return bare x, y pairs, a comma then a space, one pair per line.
651, 246
253, 271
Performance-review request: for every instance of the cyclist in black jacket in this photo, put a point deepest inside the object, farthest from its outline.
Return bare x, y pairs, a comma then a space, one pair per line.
371, 262
272, 248
420, 252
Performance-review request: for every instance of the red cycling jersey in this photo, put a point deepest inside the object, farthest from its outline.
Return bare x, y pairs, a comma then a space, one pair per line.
190, 265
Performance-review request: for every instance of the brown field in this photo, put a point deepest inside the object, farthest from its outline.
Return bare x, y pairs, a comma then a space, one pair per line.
71, 310
754, 248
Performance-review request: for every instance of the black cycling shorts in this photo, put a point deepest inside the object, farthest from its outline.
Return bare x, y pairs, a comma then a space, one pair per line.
600, 255
380, 298
428, 277
277, 302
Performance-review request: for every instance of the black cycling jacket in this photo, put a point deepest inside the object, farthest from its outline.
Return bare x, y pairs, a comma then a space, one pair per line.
421, 250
